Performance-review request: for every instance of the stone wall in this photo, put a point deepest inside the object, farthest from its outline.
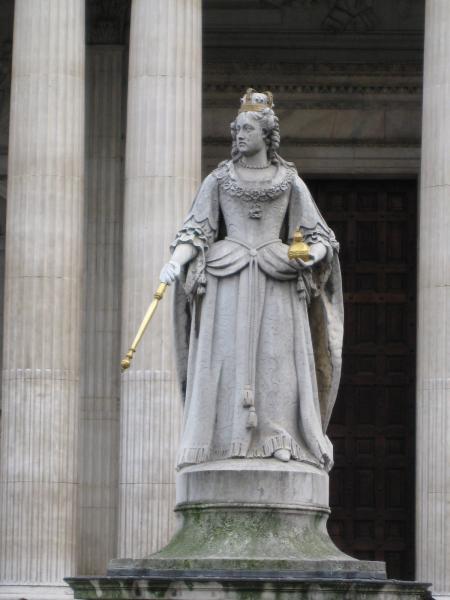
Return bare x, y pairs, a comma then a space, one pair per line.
347, 84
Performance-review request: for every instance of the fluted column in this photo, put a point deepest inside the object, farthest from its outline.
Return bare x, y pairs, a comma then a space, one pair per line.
40, 416
161, 175
101, 335
433, 386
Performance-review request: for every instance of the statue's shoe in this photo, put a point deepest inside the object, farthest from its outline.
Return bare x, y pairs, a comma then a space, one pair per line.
282, 454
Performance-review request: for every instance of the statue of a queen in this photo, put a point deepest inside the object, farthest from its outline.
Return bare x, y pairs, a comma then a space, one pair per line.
258, 335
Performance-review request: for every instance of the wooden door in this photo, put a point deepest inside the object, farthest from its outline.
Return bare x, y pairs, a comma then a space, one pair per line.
373, 428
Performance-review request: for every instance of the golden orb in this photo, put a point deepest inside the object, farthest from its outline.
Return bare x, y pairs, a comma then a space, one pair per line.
299, 248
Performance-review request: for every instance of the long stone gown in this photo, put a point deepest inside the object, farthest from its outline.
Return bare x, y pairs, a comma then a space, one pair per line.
258, 337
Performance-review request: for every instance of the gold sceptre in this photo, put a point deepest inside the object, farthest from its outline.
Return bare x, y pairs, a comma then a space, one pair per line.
299, 248
157, 296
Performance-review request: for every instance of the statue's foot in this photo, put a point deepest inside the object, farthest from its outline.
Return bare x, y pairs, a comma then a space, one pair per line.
283, 455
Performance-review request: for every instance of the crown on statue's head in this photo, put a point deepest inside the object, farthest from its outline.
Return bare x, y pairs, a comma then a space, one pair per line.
254, 101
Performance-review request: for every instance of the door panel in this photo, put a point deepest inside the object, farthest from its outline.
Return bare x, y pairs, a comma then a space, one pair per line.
372, 427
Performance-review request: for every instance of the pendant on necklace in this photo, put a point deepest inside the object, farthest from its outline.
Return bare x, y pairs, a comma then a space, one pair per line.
255, 211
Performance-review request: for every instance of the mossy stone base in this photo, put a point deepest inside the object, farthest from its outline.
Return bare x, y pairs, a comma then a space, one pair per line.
258, 516
215, 540
188, 588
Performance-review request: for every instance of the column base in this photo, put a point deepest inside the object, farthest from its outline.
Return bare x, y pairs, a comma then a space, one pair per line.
35, 592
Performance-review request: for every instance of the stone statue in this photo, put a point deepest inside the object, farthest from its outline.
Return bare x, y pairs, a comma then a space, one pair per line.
259, 339
259, 336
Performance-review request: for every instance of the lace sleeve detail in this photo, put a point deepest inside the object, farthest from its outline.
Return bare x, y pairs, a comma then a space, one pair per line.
322, 234
304, 213
200, 235
200, 230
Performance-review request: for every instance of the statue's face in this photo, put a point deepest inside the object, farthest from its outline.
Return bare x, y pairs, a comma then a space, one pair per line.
250, 136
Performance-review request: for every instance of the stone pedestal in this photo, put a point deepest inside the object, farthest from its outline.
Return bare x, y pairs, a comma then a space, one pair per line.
244, 588
251, 516
249, 529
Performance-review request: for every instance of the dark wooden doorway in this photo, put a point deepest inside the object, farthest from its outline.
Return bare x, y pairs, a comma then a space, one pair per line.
373, 424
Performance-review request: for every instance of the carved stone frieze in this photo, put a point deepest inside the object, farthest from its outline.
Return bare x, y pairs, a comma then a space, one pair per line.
297, 142
332, 88
342, 15
106, 21
341, 68
284, 3
351, 15
316, 83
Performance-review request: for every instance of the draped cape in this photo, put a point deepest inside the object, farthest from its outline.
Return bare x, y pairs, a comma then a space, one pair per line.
220, 256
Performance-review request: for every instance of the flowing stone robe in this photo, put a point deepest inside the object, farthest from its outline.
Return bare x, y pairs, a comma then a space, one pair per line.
258, 336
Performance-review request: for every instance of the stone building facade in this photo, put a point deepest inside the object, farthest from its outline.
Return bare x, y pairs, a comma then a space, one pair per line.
110, 112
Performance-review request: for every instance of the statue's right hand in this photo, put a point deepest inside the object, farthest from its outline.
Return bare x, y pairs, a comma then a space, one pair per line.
170, 272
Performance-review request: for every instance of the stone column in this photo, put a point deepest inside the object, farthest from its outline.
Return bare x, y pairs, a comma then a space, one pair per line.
40, 416
162, 172
433, 384
101, 336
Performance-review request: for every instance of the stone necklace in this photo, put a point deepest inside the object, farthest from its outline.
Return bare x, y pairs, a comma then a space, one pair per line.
245, 165
255, 196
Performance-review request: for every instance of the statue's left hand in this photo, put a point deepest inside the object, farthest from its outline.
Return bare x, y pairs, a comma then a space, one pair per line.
317, 252
305, 264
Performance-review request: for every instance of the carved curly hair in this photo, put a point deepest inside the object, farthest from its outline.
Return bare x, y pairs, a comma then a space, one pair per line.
270, 125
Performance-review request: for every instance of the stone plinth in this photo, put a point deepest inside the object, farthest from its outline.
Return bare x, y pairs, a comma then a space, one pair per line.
252, 516
254, 530
244, 588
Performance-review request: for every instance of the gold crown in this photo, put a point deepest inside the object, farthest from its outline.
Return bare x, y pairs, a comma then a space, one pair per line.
254, 101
